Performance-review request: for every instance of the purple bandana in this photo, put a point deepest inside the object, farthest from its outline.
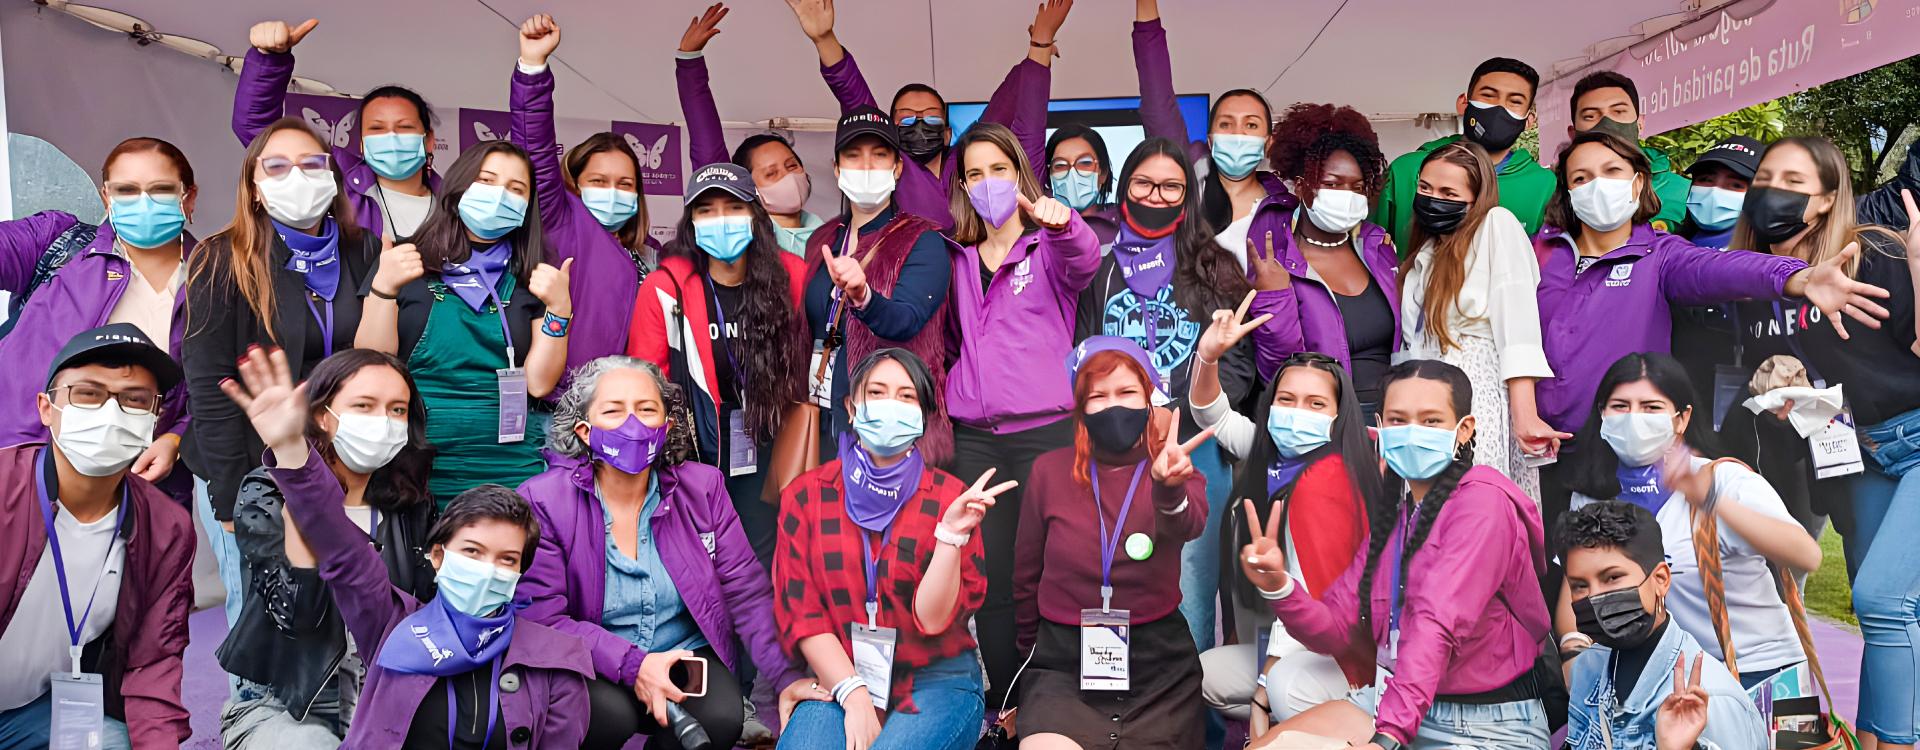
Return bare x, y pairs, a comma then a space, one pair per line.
476, 279
994, 199
440, 640
1643, 486
631, 447
314, 256
874, 495
1146, 265
1282, 472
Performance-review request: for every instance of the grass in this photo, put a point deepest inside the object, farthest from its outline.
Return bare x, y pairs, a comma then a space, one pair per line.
1828, 594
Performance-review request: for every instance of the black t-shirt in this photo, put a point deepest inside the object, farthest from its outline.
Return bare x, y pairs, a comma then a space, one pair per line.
470, 691
727, 301
1369, 324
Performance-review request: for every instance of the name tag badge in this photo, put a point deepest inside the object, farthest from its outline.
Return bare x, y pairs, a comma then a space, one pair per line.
1836, 448
1729, 385
873, 651
820, 377
512, 389
741, 460
79, 711
1104, 636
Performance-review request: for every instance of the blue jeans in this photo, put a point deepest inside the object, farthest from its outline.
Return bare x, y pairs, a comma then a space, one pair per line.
947, 694
1458, 726
1886, 580
31, 726
226, 551
1200, 558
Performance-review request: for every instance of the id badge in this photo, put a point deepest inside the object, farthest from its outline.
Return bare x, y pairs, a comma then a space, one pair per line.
1836, 448
873, 660
1104, 663
1729, 383
512, 389
741, 460
79, 711
820, 377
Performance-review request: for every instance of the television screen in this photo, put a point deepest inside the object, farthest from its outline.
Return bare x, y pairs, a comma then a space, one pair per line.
1117, 119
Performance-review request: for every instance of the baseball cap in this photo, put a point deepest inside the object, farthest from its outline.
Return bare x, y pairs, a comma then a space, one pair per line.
1738, 153
866, 121
727, 176
117, 342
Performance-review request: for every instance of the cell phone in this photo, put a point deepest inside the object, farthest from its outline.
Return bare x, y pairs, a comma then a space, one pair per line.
690, 675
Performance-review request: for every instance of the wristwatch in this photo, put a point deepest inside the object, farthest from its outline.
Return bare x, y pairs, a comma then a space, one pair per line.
1387, 742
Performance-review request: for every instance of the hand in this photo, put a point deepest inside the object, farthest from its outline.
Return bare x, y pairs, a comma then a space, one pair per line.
1264, 560
1787, 407
1679, 475
276, 37
704, 28
848, 273
1683, 715
1046, 212
1268, 274
1536, 437
1228, 329
964, 515
266, 392
801, 691
1173, 466
1047, 21
1827, 286
815, 16
550, 286
863, 720
654, 686
156, 462
539, 37
400, 265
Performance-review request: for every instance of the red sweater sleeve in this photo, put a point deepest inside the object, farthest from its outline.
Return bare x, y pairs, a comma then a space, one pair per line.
1327, 523
797, 605
647, 336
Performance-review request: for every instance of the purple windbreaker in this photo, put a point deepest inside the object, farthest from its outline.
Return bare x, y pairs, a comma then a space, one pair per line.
1305, 316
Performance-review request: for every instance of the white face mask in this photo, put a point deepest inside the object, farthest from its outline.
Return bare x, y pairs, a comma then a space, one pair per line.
1337, 211
1605, 203
102, 442
299, 198
366, 442
868, 189
1638, 439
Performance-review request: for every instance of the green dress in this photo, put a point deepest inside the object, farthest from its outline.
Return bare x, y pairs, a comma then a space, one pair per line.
453, 365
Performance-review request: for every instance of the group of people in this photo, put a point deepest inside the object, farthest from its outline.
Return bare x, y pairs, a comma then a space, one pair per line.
1458, 458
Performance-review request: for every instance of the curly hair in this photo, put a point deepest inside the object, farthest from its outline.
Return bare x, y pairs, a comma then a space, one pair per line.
1309, 133
1611, 524
571, 410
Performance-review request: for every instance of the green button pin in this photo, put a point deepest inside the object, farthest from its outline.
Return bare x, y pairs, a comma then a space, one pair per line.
1139, 546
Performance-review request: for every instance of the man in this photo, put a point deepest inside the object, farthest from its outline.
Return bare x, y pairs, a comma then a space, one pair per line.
1608, 102
102, 606
1718, 191
1496, 108
1645, 683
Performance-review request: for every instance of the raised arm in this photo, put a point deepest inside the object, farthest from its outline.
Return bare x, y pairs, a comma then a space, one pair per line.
1032, 84
836, 66
531, 128
706, 142
262, 93
1159, 111
23, 241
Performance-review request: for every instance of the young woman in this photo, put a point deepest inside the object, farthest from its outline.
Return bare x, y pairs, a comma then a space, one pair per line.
906, 600
434, 670
478, 316
1660, 445
643, 559
1451, 609
1329, 282
289, 648
1080, 175
286, 272
389, 180
1071, 574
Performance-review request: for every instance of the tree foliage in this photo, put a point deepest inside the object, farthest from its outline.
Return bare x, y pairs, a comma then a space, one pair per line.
1868, 115
1763, 122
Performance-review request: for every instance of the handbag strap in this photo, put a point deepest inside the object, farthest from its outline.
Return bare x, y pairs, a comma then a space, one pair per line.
1706, 552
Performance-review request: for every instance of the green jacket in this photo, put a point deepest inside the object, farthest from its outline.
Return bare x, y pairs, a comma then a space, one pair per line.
1672, 188
1524, 187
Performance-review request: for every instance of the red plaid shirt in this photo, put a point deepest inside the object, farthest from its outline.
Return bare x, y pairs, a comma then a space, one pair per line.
820, 579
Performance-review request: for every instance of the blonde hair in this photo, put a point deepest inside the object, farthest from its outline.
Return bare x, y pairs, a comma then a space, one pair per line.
1828, 233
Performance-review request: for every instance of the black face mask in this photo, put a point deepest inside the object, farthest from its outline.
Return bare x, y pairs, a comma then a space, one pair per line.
1439, 215
1615, 619
1116, 429
923, 140
1494, 128
1152, 222
1776, 214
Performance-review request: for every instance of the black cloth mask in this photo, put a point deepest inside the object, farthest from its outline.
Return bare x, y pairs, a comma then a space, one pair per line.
1439, 215
1116, 429
1494, 128
1615, 619
1776, 214
923, 140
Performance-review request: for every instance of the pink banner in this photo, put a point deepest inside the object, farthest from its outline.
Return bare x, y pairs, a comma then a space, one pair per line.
1745, 53
479, 125
659, 150
333, 117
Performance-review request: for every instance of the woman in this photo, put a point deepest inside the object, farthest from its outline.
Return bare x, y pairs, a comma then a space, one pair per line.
1454, 615
1330, 281
299, 673
432, 665
285, 273
643, 560
1660, 459
1468, 299
911, 526
1080, 174
1023, 260
389, 180
1801, 206
722, 318
478, 316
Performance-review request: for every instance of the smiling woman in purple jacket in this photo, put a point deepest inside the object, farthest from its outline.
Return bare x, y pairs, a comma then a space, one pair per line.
644, 559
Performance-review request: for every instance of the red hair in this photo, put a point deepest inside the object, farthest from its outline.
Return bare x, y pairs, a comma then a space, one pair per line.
1098, 366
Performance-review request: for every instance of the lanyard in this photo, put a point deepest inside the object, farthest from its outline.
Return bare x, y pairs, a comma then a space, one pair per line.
723, 341
493, 706
1399, 586
74, 627
873, 590
1111, 542
506, 332
326, 324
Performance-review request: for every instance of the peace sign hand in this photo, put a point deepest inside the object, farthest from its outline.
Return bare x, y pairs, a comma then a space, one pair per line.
963, 516
1683, 715
1174, 464
1264, 265
704, 28
1046, 212
1828, 287
1229, 328
1264, 560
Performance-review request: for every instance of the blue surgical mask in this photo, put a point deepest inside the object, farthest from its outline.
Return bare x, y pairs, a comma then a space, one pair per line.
1077, 189
145, 221
1297, 431
490, 212
609, 206
1416, 451
1714, 208
472, 586
888, 427
724, 239
1237, 155
395, 156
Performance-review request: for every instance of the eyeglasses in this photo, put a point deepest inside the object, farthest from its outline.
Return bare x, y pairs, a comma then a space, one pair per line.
136, 401
278, 166
911, 120
127, 192
1139, 188
1086, 165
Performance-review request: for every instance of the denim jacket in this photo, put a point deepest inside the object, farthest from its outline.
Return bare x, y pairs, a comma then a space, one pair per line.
1733, 723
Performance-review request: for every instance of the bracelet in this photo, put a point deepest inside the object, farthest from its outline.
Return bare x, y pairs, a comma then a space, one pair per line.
846, 688
555, 325
944, 535
382, 295
1037, 45
1387, 742
1575, 635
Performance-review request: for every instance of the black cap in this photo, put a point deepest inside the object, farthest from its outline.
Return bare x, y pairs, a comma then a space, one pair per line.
866, 121
1738, 153
117, 342
727, 176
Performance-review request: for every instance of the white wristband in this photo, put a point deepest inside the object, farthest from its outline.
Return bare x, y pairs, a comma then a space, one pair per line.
846, 688
1575, 635
1285, 590
944, 535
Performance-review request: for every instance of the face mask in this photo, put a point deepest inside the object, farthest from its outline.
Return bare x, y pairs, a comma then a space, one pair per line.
867, 189
788, 195
993, 199
611, 207
299, 198
923, 140
102, 442
1298, 431
1491, 126
724, 239
1627, 130
629, 448
1714, 208
1077, 189
887, 426
1237, 155
366, 442
1604, 204
1776, 213
1439, 215
1152, 222
1638, 439
1615, 619
472, 586
1416, 451
147, 222
395, 156
1337, 211
1116, 429
490, 212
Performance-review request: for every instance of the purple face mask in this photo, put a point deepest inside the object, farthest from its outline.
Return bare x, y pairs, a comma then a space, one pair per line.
994, 199
631, 447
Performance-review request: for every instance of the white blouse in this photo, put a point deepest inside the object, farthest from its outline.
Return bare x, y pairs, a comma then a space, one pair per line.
1497, 301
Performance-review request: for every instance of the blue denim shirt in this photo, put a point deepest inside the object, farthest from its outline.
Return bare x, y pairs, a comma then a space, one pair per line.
1733, 723
641, 602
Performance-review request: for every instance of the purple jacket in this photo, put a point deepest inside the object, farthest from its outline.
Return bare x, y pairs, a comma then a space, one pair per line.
548, 710
706, 554
1305, 316
1020, 103
706, 141
604, 280
80, 296
1620, 305
260, 99
1004, 331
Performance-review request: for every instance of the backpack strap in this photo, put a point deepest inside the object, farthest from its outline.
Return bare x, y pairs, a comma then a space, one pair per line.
64, 247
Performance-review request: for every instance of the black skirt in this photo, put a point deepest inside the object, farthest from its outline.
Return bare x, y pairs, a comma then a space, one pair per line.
1162, 710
